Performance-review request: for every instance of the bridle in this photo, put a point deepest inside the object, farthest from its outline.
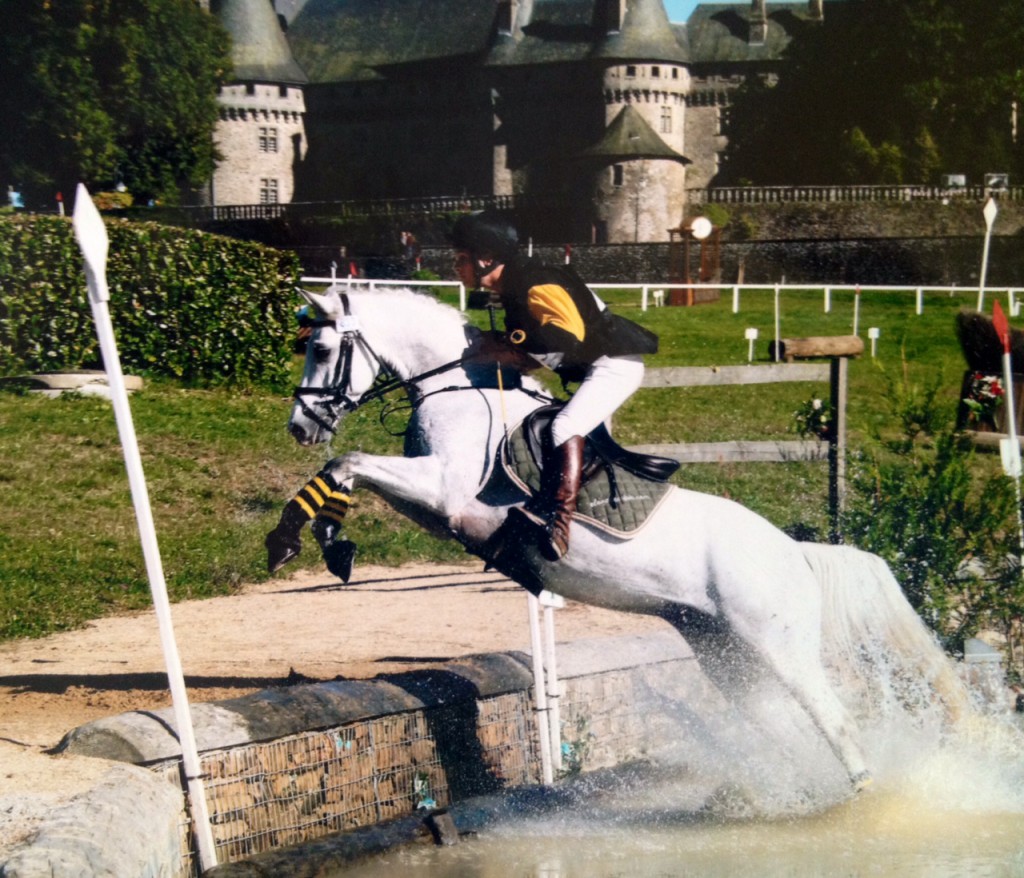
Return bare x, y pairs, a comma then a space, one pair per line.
336, 397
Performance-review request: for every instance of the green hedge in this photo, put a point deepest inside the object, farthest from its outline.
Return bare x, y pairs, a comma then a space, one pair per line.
197, 307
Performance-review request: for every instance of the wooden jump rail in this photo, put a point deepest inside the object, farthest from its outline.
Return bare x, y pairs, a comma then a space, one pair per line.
839, 351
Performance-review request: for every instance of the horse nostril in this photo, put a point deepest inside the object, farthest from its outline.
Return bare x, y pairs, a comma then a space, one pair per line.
298, 432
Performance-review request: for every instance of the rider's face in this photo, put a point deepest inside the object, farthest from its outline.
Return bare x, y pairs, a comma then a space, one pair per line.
464, 269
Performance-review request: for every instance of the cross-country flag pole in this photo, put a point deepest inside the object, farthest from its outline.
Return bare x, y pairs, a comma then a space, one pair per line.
1010, 447
989, 213
92, 239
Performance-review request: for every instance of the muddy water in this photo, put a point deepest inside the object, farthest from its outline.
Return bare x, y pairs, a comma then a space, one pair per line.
755, 790
877, 834
939, 808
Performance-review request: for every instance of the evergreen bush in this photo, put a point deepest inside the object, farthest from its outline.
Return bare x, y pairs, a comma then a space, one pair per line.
196, 307
946, 525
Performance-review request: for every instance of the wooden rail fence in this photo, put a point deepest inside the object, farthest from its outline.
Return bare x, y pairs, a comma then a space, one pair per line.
771, 451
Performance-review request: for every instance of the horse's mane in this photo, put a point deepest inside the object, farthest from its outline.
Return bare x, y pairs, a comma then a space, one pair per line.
425, 319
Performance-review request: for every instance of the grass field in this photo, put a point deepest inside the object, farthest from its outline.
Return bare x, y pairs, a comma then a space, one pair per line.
219, 464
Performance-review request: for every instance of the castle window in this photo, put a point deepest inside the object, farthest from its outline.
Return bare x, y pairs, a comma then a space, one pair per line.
268, 140
666, 120
617, 175
675, 73
268, 191
656, 72
630, 70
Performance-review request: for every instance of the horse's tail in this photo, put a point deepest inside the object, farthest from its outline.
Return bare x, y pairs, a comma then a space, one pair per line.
870, 631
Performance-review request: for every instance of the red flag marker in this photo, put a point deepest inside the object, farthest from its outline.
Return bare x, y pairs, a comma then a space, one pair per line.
1001, 325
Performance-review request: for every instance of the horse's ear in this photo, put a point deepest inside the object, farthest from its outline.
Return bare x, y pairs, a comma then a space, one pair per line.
327, 305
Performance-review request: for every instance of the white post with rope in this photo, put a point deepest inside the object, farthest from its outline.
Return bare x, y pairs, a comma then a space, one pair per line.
540, 691
551, 602
93, 242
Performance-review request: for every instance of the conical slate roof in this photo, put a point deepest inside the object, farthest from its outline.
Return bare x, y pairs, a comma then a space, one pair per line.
630, 137
646, 35
338, 40
259, 49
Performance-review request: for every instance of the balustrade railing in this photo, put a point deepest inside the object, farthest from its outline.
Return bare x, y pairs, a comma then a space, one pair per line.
353, 209
714, 195
837, 194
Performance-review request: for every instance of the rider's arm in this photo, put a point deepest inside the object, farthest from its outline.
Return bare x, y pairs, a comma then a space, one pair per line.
496, 347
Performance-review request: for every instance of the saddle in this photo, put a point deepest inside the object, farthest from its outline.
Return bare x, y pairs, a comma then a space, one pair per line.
619, 488
600, 448
619, 491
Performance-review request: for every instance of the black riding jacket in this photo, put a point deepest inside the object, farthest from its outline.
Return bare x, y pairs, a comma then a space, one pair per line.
562, 323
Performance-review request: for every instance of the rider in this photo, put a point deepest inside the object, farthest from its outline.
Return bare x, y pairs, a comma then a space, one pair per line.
553, 319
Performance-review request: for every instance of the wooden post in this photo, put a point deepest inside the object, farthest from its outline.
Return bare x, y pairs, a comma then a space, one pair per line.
837, 446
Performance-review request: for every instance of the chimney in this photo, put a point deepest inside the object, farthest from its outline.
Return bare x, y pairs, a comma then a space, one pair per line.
758, 23
614, 15
507, 16
816, 10
513, 16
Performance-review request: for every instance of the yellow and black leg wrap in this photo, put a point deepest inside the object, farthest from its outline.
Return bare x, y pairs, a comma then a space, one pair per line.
338, 554
283, 542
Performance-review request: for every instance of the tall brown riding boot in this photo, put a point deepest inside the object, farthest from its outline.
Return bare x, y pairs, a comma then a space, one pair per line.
567, 459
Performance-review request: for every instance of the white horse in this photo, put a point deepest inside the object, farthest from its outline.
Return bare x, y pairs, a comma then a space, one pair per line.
747, 597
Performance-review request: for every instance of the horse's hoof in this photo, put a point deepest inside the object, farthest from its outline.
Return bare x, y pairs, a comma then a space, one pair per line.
339, 558
861, 781
280, 550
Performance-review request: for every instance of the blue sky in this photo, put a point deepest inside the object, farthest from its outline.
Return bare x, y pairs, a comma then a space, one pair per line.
679, 10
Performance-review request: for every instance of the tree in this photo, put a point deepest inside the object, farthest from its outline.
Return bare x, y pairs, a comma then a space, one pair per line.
921, 85
107, 92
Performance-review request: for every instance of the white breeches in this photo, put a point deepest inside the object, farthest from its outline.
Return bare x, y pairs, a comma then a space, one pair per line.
610, 381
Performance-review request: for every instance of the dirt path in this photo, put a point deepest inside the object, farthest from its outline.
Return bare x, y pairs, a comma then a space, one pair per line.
308, 627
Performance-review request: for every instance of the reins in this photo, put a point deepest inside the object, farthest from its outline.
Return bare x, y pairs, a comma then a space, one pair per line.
336, 394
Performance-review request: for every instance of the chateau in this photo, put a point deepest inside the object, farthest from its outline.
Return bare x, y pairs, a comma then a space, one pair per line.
598, 115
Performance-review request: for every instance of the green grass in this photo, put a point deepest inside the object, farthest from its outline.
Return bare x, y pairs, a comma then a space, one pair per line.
219, 464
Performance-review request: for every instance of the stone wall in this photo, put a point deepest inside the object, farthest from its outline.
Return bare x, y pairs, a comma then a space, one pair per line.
295, 765
867, 261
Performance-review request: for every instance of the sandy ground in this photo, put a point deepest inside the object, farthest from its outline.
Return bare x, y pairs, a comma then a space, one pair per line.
304, 628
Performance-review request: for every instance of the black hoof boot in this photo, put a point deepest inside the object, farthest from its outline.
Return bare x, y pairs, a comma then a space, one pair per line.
339, 555
339, 558
281, 548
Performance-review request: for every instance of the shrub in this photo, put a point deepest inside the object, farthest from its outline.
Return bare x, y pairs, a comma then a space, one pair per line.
944, 521
184, 304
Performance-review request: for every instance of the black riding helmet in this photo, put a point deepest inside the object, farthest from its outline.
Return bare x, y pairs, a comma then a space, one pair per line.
485, 236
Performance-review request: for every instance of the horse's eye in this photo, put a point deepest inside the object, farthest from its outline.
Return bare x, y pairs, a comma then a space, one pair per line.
321, 353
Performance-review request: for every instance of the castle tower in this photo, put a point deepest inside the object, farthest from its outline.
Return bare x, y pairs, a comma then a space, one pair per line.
261, 132
640, 191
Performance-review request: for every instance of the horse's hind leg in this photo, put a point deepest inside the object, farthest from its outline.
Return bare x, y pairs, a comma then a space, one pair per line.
735, 665
807, 682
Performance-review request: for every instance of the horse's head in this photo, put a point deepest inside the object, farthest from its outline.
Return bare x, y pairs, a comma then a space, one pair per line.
339, 369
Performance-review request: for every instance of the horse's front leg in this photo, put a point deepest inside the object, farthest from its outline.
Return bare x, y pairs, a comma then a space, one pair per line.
326, 500
416, 486
419, 483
